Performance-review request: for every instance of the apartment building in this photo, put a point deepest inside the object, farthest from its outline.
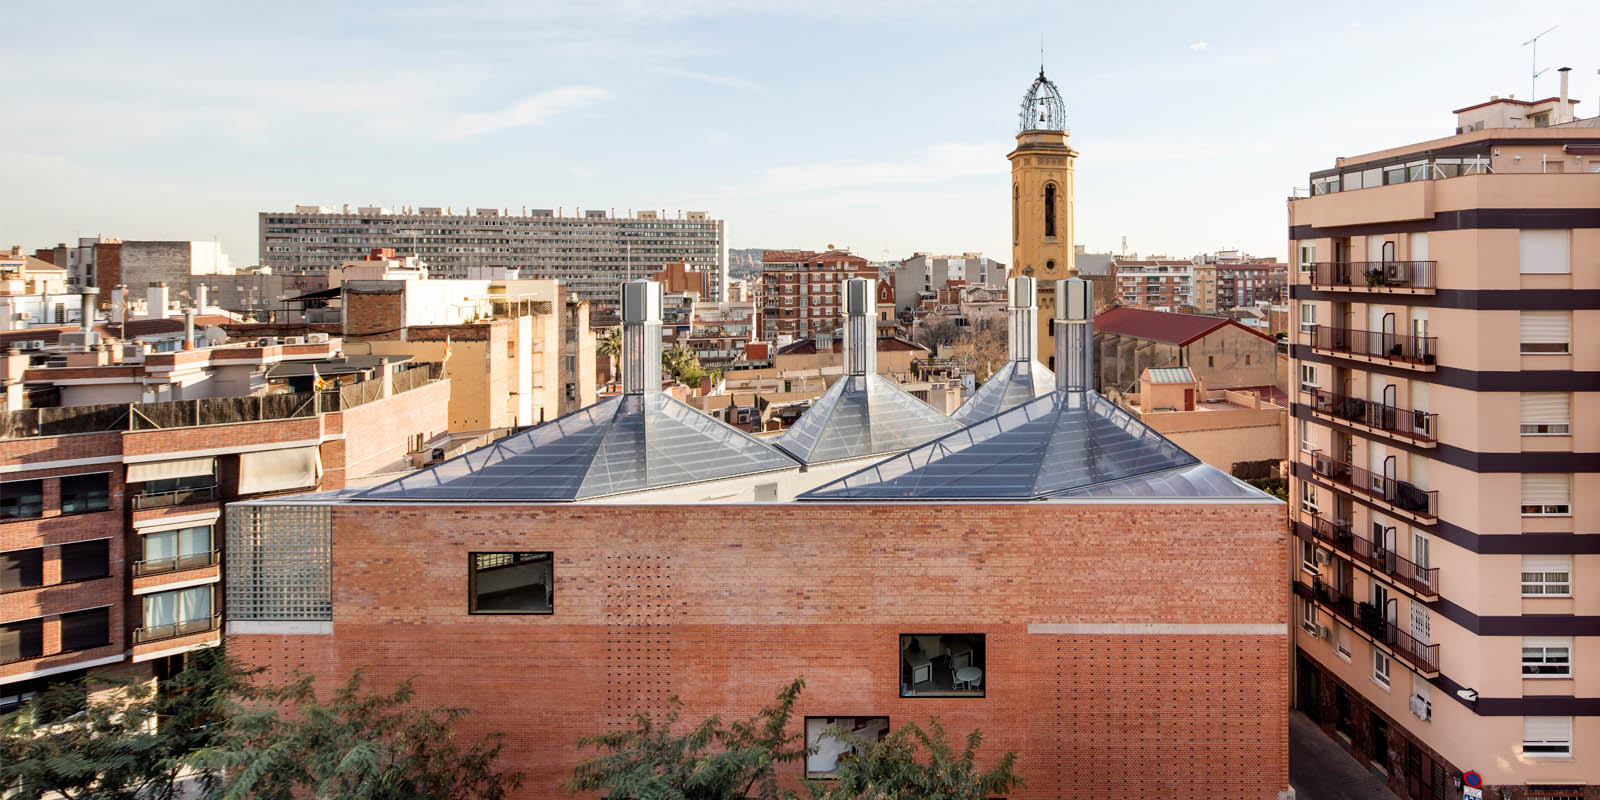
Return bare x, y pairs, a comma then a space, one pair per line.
921, 276
637, 551
1221, 286
111, 528
106, 261
1159, 284
1446, 453
802, 291
589, 252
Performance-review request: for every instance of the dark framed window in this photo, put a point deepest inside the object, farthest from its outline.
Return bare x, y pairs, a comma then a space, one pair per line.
21, 500
511, 583
21, 569
943, 665
1050, 210
83, 561
834, 740
81, 630
85, 494
20, 640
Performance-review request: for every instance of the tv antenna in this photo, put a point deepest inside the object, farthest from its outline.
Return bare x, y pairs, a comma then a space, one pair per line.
1533, 87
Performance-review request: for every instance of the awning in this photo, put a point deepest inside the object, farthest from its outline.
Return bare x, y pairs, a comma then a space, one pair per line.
321, 294
165, 470
279, 470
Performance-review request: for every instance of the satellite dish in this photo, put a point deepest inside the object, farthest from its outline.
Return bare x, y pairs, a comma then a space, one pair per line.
215, 336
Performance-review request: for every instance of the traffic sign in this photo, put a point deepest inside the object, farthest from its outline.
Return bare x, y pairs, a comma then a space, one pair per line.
1472, 778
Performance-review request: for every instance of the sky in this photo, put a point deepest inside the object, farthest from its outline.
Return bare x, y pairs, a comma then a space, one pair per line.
878, 125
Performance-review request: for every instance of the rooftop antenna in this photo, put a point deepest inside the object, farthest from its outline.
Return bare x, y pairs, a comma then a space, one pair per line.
1041, 52
1533, 85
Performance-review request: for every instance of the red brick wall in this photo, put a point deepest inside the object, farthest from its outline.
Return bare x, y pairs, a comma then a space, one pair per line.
722, 605
377, 435
373, 312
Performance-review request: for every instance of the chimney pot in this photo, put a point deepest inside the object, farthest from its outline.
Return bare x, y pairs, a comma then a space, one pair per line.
1074, 324
641, 337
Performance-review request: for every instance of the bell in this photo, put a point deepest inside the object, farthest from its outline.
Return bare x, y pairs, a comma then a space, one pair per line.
1041, 115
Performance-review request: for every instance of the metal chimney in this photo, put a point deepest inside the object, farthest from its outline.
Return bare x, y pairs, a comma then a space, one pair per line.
861, 327
641, 337
86, 313
119, 304
1023, 308
1074, 324
188, 328
156, 300
1564, 111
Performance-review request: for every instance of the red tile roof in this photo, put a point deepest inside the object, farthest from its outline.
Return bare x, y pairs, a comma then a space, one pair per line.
886, 344
1162, 326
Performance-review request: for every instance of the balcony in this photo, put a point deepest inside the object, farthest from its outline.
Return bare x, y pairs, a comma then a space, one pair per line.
1375, 276
163, 565
176, 497
1413, 352
1417, 427
1340, 537
1367, 620
1398, 494
154, 633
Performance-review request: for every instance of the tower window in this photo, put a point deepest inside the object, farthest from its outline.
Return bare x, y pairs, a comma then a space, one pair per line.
1050, 266
1016, 218
1050, 210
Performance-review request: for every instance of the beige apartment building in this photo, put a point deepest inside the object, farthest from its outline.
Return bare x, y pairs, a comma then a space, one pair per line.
1445, 443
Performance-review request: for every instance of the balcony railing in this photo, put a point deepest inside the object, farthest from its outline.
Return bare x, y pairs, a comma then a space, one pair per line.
1396, 493
1369, 619
1341, 536
1374, 274
176, 497
153, 633
157, 566
1419, 426
1377, 344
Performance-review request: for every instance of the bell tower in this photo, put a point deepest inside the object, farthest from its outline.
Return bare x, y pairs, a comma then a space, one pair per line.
1041, 197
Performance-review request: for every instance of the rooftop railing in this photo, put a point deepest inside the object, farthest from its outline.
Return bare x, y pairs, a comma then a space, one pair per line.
1340, 536
1397, 493
1419, 426
1374, 274
1376, 344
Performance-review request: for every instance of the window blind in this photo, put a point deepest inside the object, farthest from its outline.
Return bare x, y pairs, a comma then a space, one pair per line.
277, 470
164, 470
1546, 252
1546, 490
1547, 729
1545, 564
1546, 407
1546, 327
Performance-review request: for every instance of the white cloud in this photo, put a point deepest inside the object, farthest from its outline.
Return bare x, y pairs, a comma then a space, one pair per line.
1197, 47
535, 110
935, 163
716, 80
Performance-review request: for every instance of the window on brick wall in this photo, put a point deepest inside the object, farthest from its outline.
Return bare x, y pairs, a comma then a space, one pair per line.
831, 739
20, 640
942, 665
82, 561
511, 583
84, 494
81, 630
21, 499
21, 569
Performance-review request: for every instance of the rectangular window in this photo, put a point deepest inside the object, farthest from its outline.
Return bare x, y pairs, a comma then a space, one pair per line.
1546, 657
84, 494
1305, 436
1380, 668
1546, 413
1546, 332
21, 499
1546, 252
942, 665
832, 739
1421, 697
20, 640
83, 561
1308, 617
1308, 497
81, 630
168, 551
1308, 556
1546, 495
1308, 377
21, 569
1543, 791
1547, 576
178, 613
1341, 640
511, 583
1308, 318
1547, 736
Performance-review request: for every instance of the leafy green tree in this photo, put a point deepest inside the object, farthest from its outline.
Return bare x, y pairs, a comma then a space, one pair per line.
913, 763
609, 345
361, 745
682, 365
711, 761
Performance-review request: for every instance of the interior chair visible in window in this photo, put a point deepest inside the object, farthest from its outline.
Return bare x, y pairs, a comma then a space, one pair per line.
959, 660
976, 683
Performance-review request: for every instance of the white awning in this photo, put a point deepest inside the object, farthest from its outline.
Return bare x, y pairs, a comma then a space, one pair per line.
164, 470
279, 470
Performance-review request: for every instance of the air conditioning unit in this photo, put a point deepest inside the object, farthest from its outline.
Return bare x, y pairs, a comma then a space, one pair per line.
1324, 557
266, 341
1324, 632
1394, 271
317, 338
31, 344
294, 340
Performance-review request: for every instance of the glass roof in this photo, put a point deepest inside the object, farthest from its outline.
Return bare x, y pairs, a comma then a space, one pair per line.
1014, 384
620, 444
1196, 480
1050, 446
861, 416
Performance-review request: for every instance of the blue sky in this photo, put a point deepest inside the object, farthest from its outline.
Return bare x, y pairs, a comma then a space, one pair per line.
881, 126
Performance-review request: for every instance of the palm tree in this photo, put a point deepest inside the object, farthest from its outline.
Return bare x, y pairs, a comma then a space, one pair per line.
610, 346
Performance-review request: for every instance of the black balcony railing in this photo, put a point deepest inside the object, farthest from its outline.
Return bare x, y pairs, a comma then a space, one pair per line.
1419, 426
1360, 481
1340, 536
176, 497
1388, 346
153, 633
1370, 620
157, 566
1374, 274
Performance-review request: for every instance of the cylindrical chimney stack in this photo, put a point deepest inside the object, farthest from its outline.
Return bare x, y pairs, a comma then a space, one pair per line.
641, 337
1023, 308
861, 327
119, 304
200, 299
91, 297
1074, 323
156, 300
1564, 113
188, 328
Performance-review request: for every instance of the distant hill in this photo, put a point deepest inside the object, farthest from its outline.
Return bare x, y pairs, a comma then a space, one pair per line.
746, 261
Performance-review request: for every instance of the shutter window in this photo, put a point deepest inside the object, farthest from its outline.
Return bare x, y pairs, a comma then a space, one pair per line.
1546, 413
1547, 736
1546, 252
1546, 657
1546, 332
1547, 576
1546, 494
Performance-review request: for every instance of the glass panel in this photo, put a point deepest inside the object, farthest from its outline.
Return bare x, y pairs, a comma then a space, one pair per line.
863, 416
1012, 385
512, 582
161, 546
194, 541
194, 604
160, 609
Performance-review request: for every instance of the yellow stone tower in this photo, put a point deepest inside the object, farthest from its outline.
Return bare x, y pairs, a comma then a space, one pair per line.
1041, 201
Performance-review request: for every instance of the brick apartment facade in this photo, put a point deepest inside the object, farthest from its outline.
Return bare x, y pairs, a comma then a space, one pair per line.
801, 291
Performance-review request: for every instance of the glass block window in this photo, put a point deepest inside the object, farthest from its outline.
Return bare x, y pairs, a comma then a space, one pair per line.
279, 563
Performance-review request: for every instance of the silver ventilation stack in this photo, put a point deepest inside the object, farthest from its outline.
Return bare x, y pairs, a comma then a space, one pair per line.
1023, 308
860, 327
1074, 323
641, 337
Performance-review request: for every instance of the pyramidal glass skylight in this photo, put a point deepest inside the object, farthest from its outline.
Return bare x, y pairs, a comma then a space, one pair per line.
1010, 386
862, 416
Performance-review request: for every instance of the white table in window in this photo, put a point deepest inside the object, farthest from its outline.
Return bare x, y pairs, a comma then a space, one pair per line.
966, 675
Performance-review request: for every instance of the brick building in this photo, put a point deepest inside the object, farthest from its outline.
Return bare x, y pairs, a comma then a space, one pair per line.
994, 577
1220, 352
801, 291
1159, 284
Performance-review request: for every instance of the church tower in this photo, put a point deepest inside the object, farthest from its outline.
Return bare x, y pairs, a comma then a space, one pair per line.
1041, 198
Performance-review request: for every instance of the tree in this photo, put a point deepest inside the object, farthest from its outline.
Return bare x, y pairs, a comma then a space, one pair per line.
609, 345
361, 745
890, 769
711, 761
681, 364
935, 330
